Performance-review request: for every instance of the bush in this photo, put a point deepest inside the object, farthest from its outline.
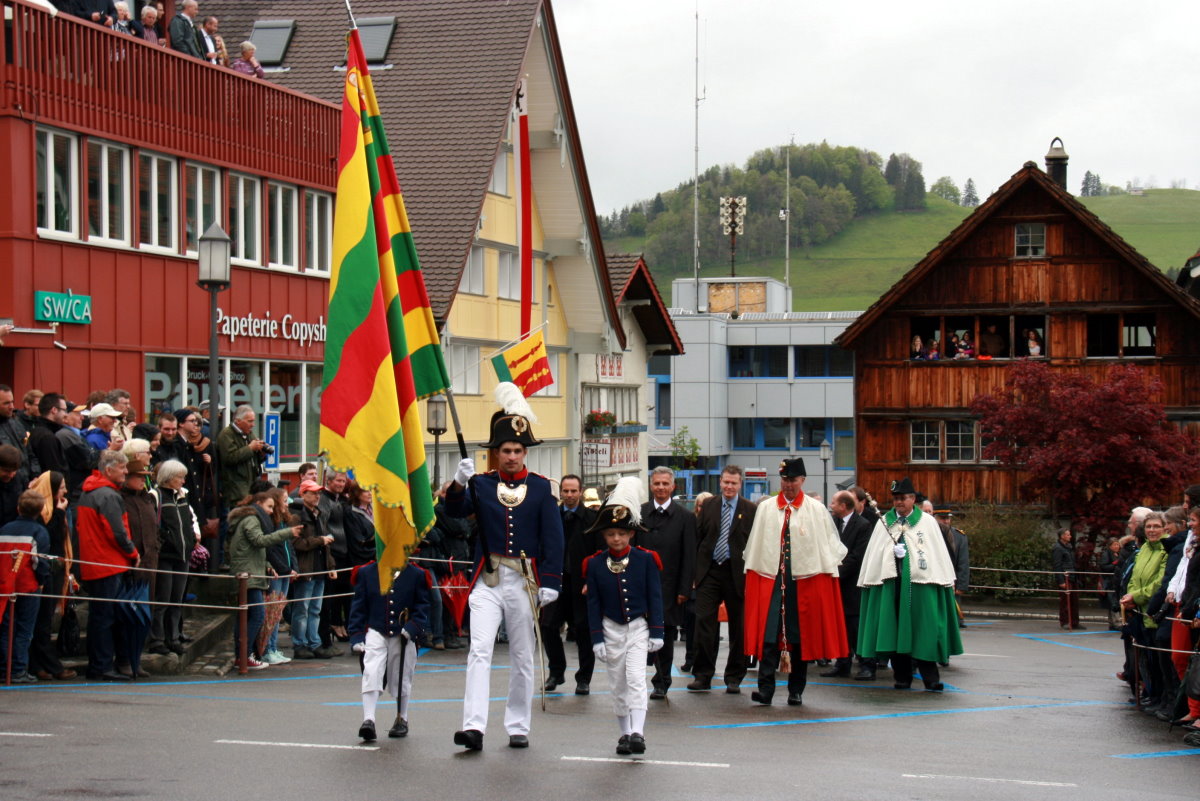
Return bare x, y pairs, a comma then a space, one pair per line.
1008, 539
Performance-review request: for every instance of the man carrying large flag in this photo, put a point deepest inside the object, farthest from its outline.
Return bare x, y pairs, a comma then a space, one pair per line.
382, 352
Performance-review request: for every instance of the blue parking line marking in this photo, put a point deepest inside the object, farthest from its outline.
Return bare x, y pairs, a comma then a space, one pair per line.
1041, 638
917, 714
1156, 754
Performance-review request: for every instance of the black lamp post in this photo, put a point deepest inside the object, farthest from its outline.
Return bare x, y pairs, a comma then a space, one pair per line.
826, 455
435, 423
214, 277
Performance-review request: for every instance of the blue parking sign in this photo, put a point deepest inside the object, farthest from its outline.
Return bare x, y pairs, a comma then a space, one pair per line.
271, 437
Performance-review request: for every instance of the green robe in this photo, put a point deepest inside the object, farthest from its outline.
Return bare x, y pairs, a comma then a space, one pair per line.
927, 629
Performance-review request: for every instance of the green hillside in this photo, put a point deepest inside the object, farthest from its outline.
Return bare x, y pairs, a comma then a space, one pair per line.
856, 266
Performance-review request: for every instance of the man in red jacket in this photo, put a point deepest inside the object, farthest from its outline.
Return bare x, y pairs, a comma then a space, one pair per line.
106, 552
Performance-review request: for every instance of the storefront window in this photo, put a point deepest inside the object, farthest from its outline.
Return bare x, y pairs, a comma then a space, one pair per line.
246, 385
285, 396
164, 390
197, 382
312, 412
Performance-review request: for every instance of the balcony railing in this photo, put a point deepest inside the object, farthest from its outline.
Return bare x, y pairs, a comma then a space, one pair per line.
65, 72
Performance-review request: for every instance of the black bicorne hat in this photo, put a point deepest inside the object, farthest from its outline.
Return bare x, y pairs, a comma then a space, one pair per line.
511, 428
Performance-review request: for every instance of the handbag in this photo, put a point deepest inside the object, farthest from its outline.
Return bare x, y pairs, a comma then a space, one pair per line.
1191, 679
68, 632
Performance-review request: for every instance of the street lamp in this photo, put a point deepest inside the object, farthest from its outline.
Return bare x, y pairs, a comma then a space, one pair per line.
214, 277
826, 455
435, 423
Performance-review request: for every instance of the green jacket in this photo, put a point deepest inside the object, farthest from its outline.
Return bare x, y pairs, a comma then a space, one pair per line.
248, 545
238, 464
1149, 565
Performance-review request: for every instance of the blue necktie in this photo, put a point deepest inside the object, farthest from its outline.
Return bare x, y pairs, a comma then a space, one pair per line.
721, 551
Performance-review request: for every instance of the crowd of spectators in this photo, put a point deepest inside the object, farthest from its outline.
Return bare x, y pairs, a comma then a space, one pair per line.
188, 32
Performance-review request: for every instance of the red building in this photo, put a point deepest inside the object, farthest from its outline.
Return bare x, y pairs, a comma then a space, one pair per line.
119, 154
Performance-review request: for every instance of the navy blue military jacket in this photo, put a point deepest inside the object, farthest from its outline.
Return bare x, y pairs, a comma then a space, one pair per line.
371, 610
534, 526
622, 597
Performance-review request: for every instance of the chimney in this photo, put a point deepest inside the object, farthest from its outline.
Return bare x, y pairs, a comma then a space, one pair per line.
1056, 163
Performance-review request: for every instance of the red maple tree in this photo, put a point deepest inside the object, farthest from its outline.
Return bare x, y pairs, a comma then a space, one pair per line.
1091, 450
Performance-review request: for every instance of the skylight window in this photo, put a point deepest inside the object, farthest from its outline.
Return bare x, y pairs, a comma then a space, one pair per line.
271, 38
376, 35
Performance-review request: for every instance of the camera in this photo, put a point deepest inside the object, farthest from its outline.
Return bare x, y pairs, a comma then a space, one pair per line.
269, 450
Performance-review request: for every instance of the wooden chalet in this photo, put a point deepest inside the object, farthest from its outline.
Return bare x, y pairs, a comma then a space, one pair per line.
1030, 259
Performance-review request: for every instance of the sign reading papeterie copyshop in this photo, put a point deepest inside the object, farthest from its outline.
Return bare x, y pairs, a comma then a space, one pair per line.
62, 307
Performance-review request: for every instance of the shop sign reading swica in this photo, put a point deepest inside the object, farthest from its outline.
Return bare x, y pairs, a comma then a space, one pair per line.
62, 307
287, 327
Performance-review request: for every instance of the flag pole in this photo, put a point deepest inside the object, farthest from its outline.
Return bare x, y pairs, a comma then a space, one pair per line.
462, 443
353, 24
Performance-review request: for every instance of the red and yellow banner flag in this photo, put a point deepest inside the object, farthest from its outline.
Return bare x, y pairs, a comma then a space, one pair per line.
382, 352
525, 364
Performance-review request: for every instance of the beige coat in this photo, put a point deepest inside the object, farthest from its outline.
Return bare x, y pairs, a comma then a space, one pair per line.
815, 544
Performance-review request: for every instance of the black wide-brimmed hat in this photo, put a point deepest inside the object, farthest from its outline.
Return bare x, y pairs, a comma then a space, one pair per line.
902, 487
622, 509
792, 468
513, 423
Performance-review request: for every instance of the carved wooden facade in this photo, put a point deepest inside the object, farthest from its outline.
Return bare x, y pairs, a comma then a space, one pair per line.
1032, 258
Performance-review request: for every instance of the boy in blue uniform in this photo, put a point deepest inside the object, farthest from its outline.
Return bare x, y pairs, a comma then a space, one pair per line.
625, 610
384, 629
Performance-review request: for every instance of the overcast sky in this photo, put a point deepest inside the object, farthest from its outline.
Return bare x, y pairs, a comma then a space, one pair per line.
970, 89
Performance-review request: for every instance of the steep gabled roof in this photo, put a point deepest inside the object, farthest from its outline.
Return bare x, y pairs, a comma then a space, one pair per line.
1029, 174
631, 280
445, 90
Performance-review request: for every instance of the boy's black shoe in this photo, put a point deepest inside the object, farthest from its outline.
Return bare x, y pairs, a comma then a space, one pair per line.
366, 731
623, 745
399, 728
637, 743
471, 739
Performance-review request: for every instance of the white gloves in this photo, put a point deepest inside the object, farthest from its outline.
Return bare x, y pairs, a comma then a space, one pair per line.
654, 644
404, 635
546, 596
598, 650
359, 648
466, 469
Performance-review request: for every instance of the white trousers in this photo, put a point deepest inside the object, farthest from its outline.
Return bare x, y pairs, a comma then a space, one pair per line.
381, 658
508, 601
625, 657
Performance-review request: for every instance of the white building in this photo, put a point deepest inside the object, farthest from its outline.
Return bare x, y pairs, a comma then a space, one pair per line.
755, 385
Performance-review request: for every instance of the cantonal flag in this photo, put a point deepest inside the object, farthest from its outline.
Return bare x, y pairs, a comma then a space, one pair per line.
382, 352
525, 364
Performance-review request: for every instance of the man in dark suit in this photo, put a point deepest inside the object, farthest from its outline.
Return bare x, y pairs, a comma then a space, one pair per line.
671, 533
855, 532
723, 528
571, 606
183, 29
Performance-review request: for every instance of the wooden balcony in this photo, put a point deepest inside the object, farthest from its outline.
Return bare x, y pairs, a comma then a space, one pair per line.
64, 72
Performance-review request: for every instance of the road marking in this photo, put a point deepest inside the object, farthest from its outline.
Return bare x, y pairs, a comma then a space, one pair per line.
986, 779
857, 718
990, 656
1155, 754
1039, 638
23, 734
300, 745
635, 761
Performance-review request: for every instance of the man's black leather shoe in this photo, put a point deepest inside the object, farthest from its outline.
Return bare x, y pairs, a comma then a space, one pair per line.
733, 688
835, 672
399, 728
518, 741
366, 731
582, 687
864, 674
699, 686
794, 699
936, 687
471, 739
759, 698
903, 685
658, 694
115, 675
553, 682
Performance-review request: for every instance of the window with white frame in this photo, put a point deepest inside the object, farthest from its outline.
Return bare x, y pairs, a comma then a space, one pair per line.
157, 209
57, 182
509, 285
553, 389
621, 401
318, 231
463, 363
285, 223
108, 192
472, 277
245, 219
202, 202
499, 182
1030, 240
925, 441
960, 440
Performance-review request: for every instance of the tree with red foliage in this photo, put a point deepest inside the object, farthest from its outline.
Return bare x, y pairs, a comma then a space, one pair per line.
1090, 450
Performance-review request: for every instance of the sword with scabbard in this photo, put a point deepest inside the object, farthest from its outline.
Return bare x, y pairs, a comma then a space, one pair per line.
531, 590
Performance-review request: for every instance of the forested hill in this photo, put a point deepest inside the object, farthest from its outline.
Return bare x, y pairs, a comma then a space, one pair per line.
854, 233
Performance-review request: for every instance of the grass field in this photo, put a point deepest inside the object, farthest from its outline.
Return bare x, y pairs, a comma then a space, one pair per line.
852, 270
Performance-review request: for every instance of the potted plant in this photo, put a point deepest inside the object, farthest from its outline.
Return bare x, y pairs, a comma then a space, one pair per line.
598, 421
629, 427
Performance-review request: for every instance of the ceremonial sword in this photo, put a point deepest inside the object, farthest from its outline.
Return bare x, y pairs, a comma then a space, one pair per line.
531, 591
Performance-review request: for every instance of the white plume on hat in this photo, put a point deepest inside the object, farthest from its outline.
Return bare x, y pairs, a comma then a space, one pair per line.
509, 396
628, 493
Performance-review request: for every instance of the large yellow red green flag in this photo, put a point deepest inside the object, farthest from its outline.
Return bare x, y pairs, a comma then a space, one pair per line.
382, 352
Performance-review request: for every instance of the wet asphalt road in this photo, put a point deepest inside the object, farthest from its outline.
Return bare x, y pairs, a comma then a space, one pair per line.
1031, 712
